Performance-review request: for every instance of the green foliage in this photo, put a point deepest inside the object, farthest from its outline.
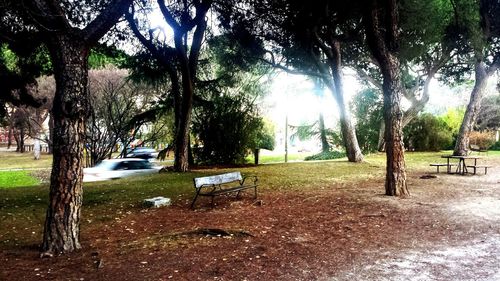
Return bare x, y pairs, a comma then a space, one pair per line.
368, 112
16, 178
453, 119
495, 146
265, 137
427, 133
326, 155
8, 58
418, 39
102, 56
227, 128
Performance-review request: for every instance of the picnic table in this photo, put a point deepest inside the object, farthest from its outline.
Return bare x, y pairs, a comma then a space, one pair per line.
462, 166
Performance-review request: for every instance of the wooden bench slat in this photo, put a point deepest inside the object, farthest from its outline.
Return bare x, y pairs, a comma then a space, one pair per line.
217, 179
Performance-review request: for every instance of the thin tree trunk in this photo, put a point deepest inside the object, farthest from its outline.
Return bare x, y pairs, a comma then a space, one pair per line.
381, 141
9, 138
325, 147
51, 133
22, 149
16, 139
62, 224
481, 75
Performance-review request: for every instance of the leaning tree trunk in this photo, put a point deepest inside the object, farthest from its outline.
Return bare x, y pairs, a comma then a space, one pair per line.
462, 144
346, 126
62, 224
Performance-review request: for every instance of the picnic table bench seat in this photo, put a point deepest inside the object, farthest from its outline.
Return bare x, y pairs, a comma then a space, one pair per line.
226, 183
475, 167
438, 165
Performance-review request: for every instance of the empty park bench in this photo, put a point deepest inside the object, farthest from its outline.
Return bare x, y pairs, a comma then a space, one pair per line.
476, 148
223, 184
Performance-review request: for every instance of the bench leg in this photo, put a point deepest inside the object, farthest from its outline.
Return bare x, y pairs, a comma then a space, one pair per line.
194, 200
485, 170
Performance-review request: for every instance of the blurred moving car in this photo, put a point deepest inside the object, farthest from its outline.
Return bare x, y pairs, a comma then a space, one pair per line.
119, 168
142, 152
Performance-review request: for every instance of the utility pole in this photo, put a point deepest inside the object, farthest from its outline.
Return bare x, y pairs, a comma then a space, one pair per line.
286, 138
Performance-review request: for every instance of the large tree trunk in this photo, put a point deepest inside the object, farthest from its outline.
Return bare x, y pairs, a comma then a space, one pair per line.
395, 181
181, 161
482, 75
417, 105
382, 37
62, 224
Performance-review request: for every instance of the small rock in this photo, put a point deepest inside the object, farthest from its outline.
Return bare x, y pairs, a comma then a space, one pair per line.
157, 202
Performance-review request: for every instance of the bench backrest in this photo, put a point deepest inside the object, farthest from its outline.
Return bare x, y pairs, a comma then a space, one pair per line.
217, 179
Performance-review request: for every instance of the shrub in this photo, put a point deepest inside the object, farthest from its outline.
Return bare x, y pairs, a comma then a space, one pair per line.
367, 106
495, 146
427, 133
482, 139
227, 127
326, 155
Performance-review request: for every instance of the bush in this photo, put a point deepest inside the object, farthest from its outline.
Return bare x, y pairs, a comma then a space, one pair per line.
227, 128
367, 106
482, 139
495, 146
427, 133
328, 155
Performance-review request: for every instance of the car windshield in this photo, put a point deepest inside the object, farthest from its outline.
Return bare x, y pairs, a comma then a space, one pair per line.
106, 165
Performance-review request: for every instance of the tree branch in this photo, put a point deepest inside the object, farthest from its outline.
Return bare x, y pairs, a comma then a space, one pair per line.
106, 19
169, 18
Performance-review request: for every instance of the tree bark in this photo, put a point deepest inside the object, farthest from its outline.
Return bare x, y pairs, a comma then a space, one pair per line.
382, 37
346, 126
22, 134
481, 75
62, 224
181, 160
9, 138
395, 182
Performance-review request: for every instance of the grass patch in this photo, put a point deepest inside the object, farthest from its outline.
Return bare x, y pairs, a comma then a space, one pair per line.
22, 210
15, 160
17, 178
278, 158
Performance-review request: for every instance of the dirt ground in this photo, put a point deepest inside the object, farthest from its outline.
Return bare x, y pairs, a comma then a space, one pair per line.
448, 230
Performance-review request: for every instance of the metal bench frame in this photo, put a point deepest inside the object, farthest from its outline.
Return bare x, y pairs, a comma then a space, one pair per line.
222, 184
